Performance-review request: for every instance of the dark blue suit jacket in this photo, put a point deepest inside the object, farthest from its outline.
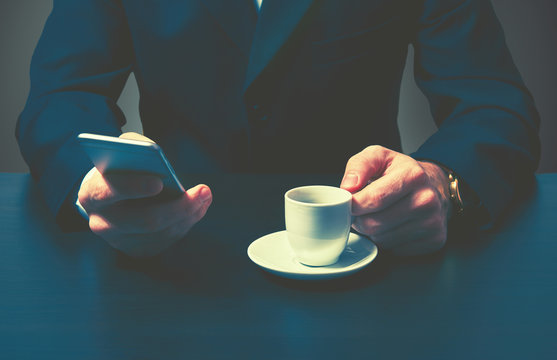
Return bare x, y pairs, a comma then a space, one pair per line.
316, 82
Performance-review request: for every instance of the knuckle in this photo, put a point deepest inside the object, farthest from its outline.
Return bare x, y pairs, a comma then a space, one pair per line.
375, 148
83, 197
427, 199
98, 225
377, 201
360, 157
354, 161
359, 206
364, 225
418, 174
371, 226
365, 201
99, 194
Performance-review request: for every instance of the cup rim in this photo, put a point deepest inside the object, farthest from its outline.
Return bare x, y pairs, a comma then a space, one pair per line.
348, 196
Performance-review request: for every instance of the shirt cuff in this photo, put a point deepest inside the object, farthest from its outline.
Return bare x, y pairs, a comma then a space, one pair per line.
78, 206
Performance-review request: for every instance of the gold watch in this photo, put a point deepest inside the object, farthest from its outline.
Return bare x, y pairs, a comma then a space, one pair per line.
454, 193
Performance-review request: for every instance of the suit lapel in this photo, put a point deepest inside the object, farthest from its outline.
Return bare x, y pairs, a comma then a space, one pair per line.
237, 18
277, 20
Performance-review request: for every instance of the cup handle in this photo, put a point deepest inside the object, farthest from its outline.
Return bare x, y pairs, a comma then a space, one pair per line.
352, 217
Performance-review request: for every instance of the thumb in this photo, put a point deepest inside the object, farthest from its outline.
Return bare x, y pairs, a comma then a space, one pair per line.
364, 167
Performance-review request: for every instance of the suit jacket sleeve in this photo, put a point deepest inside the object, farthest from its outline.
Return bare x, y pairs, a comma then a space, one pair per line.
488, 123
78, 70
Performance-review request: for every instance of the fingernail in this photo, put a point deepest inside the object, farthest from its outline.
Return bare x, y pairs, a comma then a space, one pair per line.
350, 180
205, 194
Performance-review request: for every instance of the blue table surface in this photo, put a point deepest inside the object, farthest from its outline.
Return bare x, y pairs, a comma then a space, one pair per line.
487, 295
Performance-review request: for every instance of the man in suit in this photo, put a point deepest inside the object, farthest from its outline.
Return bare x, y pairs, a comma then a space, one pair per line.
297, 86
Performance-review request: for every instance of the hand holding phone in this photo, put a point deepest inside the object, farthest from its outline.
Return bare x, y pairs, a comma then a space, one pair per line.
131, 154
130, 170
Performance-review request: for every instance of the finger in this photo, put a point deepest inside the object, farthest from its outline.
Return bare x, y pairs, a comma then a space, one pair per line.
429, 233
403, 233
365, 166
185, 225
176, 230
135, 136
145, 244
134, 217
402, 178
102, 190
420, 204
101, 226
383, 221
155, 217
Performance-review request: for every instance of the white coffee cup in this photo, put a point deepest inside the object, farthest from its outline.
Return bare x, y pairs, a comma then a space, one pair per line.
318, 221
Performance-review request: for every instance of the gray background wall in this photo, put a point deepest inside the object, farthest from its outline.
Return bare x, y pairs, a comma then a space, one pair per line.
529, 25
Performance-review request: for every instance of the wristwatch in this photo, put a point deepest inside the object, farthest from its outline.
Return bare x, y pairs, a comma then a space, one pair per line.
465, 202
454, 193
467, 205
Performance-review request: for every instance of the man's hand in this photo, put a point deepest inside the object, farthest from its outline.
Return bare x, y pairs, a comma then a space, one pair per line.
117, 214
401, 203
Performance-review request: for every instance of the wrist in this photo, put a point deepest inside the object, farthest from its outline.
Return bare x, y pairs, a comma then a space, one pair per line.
439, 178
466, 206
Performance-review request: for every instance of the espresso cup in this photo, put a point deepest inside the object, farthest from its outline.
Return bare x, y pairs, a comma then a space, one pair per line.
318, 221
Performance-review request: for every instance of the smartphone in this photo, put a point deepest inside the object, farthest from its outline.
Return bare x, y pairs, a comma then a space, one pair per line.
113, 154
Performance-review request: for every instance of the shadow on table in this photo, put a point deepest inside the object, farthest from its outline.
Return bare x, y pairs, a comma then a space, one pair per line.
194, 266
191, 266
379, 270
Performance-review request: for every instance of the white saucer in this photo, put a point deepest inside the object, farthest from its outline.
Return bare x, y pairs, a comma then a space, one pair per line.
273, 253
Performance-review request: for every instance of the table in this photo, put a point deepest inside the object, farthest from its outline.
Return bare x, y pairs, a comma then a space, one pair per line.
69, 295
